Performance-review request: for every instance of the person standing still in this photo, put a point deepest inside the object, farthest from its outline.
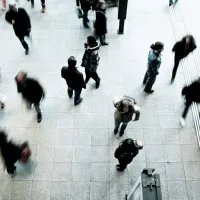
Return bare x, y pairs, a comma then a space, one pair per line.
126, 151
74, 80
91, 60
154, 62
20, 20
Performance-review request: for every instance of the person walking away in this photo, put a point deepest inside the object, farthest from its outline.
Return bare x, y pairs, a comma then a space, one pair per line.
154, 62
85, 6
91, 60
172, 2
100, 23
42, 3
11, 153
126, 151
74, 80
125, 108
20, 20
191, 94
32, 92
182, 49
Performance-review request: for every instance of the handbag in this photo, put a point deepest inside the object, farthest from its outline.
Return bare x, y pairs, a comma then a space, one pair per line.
79, 12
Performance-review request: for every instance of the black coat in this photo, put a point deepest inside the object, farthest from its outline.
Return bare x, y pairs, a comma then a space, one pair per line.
180, 49
192, 92
100, 23
91, 58
22, 24
85, 4
31, 90
73, 77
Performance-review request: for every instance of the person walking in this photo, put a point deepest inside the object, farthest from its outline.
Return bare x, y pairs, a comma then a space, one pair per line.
74, 80
100, 23
11, 153
154, 62
42, 3
125, 108
191, 94
32, 92
182, 49
126, 151
85, 6
20, 20
91, 60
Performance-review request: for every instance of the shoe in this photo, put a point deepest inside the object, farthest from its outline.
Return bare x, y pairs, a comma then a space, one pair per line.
149, 91
27, 51
115, 131
121, 133
43, 10
98, 83
39, 118
79, 101
104, 44
182, 121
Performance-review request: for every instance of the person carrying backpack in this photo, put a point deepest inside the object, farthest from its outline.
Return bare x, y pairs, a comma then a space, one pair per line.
125, 108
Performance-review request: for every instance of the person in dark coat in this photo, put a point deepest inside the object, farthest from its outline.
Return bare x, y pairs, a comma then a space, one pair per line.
74, 80
91, 60
32, 92
42, 3
20, 20
154, 62
191, 94
182, 49
126, 151
85, 6
100, 23
10, 152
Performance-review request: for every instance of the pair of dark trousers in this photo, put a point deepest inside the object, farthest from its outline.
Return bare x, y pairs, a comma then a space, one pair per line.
92, 75
77, 94
42, 2
117, 125
85, 17
149, 80
36, 106
176, 64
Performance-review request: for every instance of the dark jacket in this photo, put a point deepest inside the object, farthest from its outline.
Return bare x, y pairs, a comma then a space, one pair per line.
124, 154
22, 24
85, 4
73, 77
91, 58
180, 49
31, 90
100, 24
192, 92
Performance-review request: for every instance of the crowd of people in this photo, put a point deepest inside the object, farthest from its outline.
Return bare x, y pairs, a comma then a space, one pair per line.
127, 108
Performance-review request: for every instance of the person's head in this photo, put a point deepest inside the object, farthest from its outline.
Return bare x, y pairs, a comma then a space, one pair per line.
3, 138
13, 6
123, 106
129, 145
158, 47
189, 39
21, 76
72, 62
91, 41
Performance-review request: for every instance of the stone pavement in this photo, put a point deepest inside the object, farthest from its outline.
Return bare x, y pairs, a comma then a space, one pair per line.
73, 147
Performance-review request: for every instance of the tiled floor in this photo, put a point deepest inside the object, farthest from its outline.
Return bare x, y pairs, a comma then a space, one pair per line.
73, 147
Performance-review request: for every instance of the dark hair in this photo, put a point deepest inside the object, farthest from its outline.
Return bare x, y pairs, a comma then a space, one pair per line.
128, 145
157, 46
91, 41
192, 40
72, 61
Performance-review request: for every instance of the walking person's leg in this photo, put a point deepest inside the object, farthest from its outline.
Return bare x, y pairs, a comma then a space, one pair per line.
88, 75
85, 19
176, 64
77, 98
38, 110
185, 112
95, 76
145, 78
117, 124
25, 45
70, 92
149, 83
123, 127
32, 3
43, 6
103, 40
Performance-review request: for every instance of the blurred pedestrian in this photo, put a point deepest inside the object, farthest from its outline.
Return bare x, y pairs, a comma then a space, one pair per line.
172, 2
20, 20
85, 6
74, 80
91, 60
3, 4
154, 62
125, 108
191, 94
126, 151
182, 49
43, 5
32, 92
11, 153
100, 23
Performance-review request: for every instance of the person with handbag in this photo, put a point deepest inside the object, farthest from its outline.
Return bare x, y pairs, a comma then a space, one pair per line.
125, 108
126, 151
154, 62
11, 153
91, 59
